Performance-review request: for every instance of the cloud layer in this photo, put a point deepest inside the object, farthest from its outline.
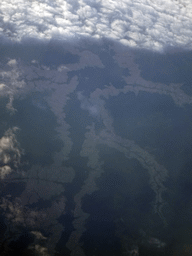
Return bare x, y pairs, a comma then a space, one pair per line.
144, 24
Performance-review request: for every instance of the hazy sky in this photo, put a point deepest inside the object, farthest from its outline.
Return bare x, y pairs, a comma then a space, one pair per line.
149, 24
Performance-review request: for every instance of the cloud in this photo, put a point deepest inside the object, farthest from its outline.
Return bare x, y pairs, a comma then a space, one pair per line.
20, 218
12, 82
10, 153
91, 106
146, 24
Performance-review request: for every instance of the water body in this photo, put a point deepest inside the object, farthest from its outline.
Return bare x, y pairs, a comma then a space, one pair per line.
166, 68
37, 130
39, 102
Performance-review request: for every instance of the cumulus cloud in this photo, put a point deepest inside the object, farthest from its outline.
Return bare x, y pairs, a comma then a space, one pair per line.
91, 106
145, 24
12, 82
21, 217
10, 153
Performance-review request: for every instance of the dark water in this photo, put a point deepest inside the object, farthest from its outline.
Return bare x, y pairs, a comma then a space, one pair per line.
37, 130
166, 68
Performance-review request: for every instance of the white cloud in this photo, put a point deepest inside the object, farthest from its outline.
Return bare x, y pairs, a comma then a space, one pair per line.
12, 82
93, 107
4, 171
10, 152
140, 23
